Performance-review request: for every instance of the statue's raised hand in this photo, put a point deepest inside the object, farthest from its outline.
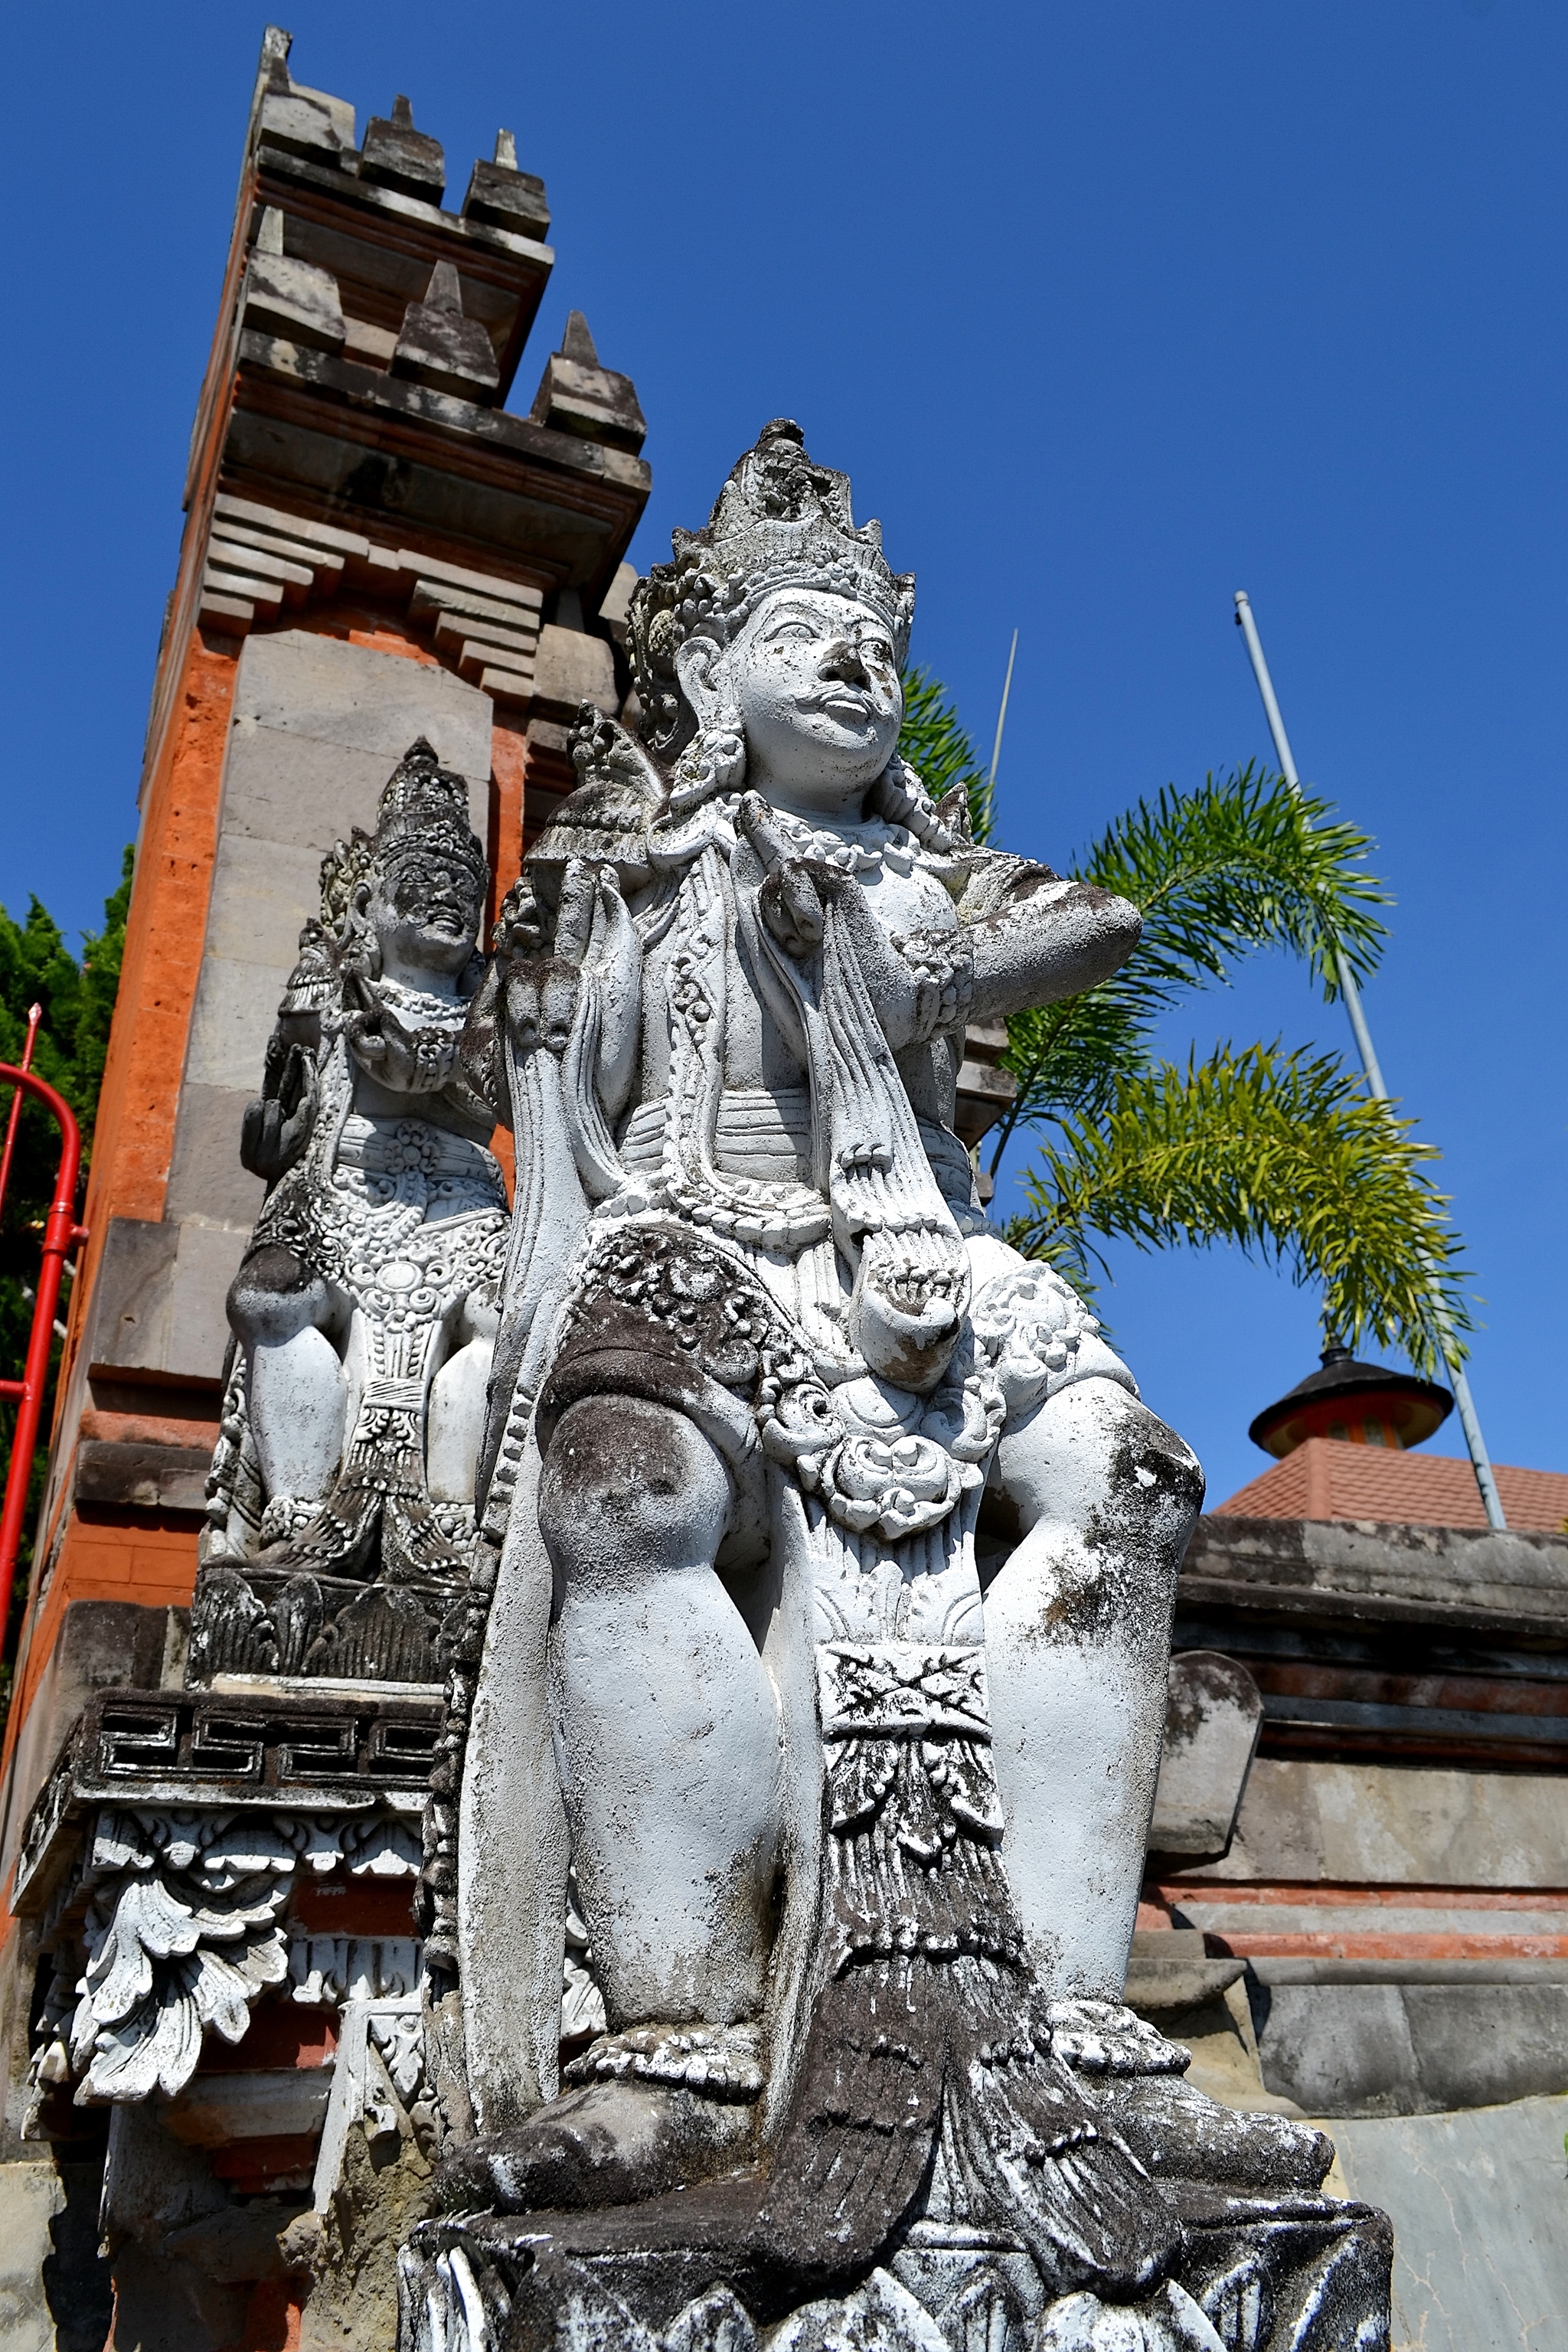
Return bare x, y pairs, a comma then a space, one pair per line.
791, 900
277, 1125
543, 989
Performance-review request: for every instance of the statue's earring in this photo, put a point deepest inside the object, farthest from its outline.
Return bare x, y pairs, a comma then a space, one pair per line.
360, 951
713, 761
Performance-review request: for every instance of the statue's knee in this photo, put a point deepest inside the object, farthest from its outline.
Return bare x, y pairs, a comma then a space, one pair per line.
1148, 1486
275, 1297
629, 1485
1095, 1453
1149, 1461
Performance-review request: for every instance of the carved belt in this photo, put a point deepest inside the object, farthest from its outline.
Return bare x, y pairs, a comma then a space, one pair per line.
902, 1690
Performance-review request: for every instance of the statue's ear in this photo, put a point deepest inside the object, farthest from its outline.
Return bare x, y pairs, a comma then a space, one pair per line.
359, 932
695, 663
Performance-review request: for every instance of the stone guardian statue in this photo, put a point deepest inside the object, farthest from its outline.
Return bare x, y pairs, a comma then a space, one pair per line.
825, 1678
341, 1515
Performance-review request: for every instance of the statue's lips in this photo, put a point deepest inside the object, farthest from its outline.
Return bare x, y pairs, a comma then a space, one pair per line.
844, 702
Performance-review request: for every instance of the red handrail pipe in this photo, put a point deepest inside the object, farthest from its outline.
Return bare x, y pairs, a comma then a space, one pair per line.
61, 1234
34, 1014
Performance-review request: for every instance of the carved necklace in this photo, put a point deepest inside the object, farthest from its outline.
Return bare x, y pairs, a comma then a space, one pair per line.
896, 849
423, 1004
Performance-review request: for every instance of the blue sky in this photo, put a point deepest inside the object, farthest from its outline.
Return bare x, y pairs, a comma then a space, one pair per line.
1109, 309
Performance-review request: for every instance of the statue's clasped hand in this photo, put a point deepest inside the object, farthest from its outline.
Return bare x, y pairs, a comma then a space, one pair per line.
792, 897
920, 983
407, 1059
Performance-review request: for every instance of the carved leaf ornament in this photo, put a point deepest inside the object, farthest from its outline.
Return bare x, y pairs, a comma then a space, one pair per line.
185, 1932
186, 1937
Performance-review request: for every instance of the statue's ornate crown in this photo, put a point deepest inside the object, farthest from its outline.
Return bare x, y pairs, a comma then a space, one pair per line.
425, 807
781, 522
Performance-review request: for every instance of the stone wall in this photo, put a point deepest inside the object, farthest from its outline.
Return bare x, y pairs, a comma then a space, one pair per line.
1397, 1883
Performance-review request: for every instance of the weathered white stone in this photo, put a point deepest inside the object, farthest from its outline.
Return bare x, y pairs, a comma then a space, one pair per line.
30, 2197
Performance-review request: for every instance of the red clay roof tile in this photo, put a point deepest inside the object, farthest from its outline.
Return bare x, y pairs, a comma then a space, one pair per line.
1328, 1478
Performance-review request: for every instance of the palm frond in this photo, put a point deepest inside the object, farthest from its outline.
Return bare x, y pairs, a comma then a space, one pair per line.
935, 744
1069, 1059
1280, 1153
1240, 864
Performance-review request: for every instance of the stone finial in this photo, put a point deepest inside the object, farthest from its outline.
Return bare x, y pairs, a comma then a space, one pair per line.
290, 298
500, 196
397, 156
441, 348
577, 344
310, 124
577, 395
445, 291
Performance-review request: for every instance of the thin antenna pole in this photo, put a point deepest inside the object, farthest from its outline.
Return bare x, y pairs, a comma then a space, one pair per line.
1002, 717
1469, 1420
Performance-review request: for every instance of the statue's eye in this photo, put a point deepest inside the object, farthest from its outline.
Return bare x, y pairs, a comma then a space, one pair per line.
799, 630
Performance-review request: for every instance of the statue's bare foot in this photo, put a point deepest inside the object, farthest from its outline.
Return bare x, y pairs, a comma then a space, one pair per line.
1133, 2075
1176, 2132
612, 2144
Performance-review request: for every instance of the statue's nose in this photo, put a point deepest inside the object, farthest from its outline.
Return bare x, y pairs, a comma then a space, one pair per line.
843, 660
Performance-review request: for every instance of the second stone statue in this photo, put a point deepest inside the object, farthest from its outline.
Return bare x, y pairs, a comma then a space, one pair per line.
814, 1730
341, 1514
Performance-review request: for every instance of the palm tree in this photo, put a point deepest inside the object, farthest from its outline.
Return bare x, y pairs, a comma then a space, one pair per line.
1275, 1150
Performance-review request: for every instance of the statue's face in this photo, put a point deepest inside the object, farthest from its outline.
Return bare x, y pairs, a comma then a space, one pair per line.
817, 681
426, 913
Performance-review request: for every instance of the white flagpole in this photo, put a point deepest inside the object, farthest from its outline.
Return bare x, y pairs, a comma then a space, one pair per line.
1480, 1461
1002, 718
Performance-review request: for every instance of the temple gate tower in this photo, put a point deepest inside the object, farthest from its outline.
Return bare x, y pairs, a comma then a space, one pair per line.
375, 552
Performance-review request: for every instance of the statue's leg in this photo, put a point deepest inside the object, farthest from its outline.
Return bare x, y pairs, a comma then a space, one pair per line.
454, 1424
669, 1752
1077, 1639
667, 1735
1102, 1497
298, 1393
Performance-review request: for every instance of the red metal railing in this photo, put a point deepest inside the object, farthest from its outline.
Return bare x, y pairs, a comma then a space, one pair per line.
61, 1234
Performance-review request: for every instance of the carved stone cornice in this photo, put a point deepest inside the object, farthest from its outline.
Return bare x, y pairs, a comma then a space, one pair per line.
208, 1751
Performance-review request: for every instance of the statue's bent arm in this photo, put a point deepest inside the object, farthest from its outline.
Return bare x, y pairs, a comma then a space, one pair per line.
1051, 939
